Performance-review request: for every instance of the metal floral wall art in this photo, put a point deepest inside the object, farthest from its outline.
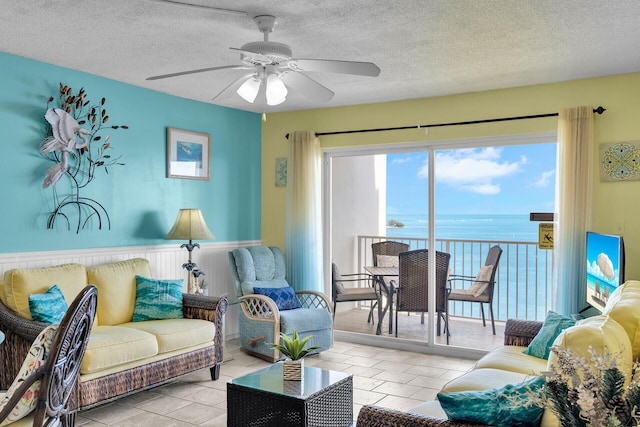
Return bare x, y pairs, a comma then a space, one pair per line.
78, 147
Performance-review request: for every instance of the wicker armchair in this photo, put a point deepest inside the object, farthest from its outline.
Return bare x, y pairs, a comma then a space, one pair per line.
517, 332
59, 373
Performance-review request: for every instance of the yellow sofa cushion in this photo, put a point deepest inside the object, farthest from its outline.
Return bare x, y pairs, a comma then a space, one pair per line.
484, 379
176, 334
110, 346
19, 283
601, 333
622, 306
116, 283
511, 358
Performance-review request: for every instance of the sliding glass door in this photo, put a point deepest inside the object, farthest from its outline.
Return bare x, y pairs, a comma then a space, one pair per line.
478, 194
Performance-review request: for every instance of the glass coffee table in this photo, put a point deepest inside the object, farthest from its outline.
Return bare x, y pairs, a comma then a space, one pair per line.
262, 398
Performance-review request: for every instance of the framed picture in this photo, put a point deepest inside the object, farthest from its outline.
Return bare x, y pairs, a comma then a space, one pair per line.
187, 154
281, 172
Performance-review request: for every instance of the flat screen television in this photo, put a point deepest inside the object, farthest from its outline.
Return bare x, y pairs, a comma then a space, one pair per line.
605, 267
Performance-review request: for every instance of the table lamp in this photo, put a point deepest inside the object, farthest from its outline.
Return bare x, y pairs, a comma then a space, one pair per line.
189, 226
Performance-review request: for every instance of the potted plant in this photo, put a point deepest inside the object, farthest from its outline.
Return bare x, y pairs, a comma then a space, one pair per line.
293, 348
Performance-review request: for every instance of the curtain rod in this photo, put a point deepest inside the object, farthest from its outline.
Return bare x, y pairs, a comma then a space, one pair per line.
598, 110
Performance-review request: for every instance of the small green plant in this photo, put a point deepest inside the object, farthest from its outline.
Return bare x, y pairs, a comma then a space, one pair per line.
293, 347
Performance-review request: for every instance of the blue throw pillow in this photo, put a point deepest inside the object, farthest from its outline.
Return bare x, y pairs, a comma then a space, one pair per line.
157, 299
285, 298
506, 406
553, 324
49, 307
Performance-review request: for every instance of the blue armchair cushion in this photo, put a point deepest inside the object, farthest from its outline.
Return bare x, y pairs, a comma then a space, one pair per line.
157, 299
48, 307
285, 297
502, 407
305, 319
553, 325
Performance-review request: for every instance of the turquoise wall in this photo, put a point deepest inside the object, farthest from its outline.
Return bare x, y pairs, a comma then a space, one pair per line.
141, 201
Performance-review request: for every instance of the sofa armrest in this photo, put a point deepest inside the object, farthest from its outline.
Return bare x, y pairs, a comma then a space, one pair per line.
208, 308
19, 333
521, 332
375, 416
314, 299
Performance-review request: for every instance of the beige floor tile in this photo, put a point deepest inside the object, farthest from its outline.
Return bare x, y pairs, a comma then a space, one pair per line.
386, 377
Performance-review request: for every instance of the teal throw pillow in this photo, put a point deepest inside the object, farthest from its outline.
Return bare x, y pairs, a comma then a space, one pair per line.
157, 299
48, 307
553, 324
507, 406
285, 298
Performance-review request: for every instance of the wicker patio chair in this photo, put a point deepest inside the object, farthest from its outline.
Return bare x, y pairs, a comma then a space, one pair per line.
481, 291
388, 248
413, 285
341, 293
58, 375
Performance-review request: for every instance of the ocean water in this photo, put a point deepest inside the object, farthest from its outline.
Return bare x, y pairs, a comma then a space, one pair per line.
467, 227
524, 281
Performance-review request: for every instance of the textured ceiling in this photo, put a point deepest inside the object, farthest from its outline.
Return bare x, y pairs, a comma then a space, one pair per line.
424, 48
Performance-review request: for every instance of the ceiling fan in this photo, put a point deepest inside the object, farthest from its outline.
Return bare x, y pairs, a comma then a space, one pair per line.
272, 71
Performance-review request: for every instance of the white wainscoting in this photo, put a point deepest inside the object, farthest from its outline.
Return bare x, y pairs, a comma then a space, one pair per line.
166, 263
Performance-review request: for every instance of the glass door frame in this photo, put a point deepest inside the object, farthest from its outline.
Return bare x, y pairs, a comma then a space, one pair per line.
430, 147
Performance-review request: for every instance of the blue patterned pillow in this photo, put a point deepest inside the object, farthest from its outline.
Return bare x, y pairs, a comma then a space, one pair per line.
285, 298
553, 324
157, 299
49, 307
507, 406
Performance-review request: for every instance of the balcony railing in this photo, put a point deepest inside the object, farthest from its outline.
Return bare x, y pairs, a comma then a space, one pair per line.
523, 281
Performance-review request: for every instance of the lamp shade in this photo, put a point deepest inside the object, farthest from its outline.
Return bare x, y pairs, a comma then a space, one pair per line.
189, 225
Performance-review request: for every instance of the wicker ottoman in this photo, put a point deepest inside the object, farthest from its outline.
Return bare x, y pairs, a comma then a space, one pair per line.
322, 399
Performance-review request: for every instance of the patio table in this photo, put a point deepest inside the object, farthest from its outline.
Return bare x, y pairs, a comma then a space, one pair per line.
379, 273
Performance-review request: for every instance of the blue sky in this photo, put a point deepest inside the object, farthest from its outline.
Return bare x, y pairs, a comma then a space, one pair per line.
504, 180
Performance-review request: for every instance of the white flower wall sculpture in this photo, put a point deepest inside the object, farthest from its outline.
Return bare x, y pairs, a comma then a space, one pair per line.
75, 144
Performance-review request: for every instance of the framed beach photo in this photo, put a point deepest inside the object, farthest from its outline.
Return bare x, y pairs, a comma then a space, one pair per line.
187, 154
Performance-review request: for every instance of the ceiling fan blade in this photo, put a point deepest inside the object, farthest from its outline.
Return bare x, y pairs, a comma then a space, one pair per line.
233, 86
306, 86
334, 66
201, 70
257, 57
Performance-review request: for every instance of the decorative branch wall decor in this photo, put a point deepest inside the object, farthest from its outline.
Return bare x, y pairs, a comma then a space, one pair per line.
76, 145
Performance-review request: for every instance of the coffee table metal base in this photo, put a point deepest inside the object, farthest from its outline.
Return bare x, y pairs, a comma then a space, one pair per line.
332, 406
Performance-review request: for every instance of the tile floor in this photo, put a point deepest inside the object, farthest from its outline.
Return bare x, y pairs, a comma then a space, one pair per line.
385, 377
465, 332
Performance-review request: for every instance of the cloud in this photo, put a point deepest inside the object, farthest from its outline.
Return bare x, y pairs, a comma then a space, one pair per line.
545, 178
399, 160
474, 170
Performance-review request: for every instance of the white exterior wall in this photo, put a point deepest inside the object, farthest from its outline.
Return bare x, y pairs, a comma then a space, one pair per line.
358, 206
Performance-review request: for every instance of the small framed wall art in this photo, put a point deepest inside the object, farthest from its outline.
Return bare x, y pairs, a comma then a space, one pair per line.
281, 172
187, 154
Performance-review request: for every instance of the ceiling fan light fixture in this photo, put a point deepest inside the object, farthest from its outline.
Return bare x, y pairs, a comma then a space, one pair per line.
276, 91
249, 89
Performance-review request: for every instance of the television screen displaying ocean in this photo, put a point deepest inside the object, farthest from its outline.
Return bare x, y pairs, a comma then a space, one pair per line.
497, 227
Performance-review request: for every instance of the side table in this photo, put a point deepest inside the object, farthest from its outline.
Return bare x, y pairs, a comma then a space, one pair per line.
322, 399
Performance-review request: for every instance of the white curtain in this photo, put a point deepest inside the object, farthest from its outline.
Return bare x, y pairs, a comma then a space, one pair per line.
303, 228
576, 142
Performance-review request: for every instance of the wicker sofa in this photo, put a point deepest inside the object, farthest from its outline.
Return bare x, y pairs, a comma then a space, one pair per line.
617, 331
122, 356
